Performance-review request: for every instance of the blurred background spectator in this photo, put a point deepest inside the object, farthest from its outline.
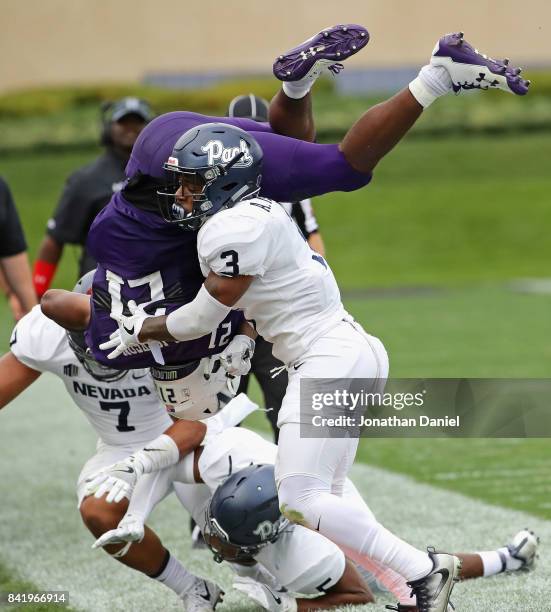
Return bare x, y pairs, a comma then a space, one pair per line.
90, 188
15, 273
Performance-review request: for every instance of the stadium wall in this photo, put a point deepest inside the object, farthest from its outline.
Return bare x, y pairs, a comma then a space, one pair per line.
79, 41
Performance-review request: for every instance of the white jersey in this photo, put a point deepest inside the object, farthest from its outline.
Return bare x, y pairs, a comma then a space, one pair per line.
303, 561
294, 298
123, 413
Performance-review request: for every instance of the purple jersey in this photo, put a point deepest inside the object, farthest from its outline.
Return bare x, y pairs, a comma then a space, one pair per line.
144, 259
292, 169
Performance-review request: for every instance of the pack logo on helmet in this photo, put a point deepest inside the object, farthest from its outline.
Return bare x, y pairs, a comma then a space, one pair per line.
216, 152
266, 530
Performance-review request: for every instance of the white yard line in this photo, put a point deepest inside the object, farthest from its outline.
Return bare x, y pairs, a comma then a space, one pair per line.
44, 440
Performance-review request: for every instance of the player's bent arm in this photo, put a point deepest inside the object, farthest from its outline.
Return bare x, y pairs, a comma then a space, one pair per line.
69, 310
15, 377
350, 590
210, 307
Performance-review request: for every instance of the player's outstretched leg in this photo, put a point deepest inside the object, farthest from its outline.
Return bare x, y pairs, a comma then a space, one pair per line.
455, 66
291, 109
519, 554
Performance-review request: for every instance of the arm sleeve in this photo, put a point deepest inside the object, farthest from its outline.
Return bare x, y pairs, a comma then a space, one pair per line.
70, 221
235, 245
294, 169
12, 240
36, 340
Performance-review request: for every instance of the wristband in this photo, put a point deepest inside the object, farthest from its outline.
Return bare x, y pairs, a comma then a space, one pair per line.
157, 455
43, 274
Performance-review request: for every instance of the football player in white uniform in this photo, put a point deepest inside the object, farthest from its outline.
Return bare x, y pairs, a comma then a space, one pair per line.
254, 258
243, 525
123, 409
301, 560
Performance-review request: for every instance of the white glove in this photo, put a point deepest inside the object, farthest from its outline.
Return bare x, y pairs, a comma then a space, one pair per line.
128, 332
274, 601
130, 529
236, 357
117, 480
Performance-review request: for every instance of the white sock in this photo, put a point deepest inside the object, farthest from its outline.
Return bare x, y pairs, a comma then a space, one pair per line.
497, 561
432, 82
176, 577
297, 89
491, 562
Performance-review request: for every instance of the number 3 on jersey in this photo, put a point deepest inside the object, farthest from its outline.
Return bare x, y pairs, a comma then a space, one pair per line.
232, 262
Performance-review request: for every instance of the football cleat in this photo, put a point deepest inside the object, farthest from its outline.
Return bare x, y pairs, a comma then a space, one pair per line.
433, 590
324, 51
203, 596
470, 69
524, 547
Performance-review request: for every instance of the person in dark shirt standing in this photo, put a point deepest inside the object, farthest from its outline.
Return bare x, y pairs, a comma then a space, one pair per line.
15, 272
90, 188
263, 364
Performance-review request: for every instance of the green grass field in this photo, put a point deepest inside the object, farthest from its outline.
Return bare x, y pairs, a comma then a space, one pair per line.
425, 256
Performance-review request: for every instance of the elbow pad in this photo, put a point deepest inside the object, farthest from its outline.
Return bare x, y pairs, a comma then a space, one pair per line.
198, 318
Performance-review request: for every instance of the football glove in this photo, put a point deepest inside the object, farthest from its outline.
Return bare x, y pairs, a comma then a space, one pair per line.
274, 601
130, 529
236, 357
128, 332
117, 480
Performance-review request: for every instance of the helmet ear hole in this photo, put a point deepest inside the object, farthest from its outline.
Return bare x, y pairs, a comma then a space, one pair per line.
229, 187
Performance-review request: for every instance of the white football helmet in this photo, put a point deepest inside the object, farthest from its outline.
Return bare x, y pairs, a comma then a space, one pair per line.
196, 390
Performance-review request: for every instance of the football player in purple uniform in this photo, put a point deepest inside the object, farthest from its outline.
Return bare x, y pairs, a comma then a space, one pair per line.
144, 259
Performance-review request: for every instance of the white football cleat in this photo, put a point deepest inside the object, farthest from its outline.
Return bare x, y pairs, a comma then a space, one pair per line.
203, 596
524, 547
